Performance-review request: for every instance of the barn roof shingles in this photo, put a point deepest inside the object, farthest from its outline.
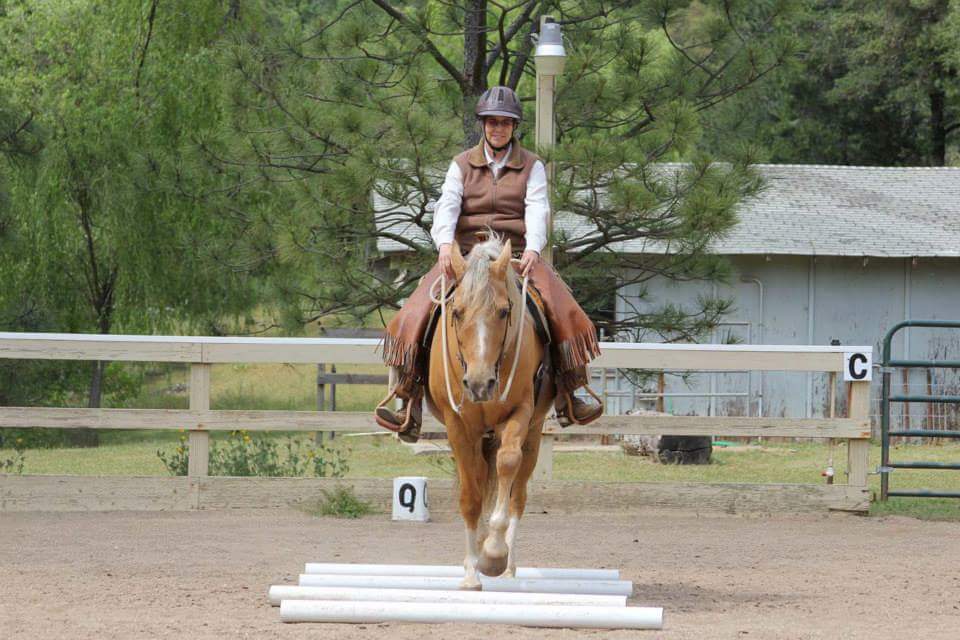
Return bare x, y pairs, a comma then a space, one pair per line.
824, 210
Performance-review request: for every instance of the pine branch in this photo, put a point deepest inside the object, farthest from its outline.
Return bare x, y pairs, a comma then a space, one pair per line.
507, 35
420, 32
146, 45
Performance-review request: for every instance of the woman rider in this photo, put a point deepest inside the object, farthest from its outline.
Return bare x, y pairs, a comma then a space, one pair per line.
501, 186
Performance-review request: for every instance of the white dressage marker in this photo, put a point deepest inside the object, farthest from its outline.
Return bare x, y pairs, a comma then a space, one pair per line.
452, 571
597, 587
526, 615
284, 592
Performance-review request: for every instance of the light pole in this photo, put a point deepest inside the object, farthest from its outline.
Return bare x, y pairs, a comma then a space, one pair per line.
549, 58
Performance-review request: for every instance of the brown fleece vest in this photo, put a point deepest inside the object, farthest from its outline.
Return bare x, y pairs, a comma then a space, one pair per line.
498, 202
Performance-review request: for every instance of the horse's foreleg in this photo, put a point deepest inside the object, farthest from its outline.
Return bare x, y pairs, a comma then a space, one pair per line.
493, 560
471, 581
511, 570
471, 506
518, 495
472, 475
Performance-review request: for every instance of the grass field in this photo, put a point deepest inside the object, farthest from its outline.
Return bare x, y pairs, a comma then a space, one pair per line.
242, 386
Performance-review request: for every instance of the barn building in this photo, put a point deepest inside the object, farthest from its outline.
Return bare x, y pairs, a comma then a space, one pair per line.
825, 254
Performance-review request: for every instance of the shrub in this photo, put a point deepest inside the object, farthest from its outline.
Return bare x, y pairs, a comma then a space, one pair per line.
342, 502
178, 460
34, 438
14, 464
328, 462
243, 455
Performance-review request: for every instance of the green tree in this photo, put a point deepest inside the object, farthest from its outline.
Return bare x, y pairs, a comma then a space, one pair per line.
117, 225
901, 51
375, 97
876, 84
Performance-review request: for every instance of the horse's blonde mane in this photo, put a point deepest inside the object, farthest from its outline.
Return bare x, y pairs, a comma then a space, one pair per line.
475, 290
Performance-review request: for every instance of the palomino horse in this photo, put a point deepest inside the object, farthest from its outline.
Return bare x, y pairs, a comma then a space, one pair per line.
493, 421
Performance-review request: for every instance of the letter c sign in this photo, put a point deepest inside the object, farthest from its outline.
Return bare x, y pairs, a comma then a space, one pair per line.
857, 366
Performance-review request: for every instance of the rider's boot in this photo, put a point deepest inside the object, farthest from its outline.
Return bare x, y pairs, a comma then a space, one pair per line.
405, 422
572, 409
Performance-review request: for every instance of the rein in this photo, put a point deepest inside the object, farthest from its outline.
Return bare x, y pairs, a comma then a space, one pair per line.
516, 354
442, 300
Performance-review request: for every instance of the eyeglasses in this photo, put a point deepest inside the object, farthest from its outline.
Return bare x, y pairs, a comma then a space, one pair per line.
498, 123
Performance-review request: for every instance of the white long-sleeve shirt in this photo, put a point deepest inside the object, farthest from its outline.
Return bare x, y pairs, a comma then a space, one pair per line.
447, 210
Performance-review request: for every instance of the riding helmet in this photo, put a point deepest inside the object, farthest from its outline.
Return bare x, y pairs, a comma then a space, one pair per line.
499, 101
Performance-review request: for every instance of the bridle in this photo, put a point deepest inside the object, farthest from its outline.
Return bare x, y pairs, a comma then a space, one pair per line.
442, 300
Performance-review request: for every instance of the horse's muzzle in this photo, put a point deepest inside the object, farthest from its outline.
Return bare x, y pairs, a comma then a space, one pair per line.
479, 390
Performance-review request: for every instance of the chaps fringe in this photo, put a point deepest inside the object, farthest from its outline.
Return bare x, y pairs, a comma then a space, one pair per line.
400, 355
578, 351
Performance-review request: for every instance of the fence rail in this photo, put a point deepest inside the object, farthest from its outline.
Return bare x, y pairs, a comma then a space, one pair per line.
202, 352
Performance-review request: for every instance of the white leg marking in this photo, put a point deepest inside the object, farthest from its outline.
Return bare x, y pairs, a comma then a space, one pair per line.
495, 544
498, 519
511, 571
470, 579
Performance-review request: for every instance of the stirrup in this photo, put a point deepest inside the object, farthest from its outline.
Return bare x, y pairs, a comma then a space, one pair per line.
407, 426
568, 416
386, 424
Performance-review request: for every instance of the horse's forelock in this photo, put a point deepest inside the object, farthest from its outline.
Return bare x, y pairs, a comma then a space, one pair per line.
475, 286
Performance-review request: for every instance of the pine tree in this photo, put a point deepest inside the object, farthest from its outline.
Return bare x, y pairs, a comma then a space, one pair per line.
876, 84
375, 97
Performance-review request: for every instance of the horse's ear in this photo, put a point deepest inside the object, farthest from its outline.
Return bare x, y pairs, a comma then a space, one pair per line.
499, 266
456, 259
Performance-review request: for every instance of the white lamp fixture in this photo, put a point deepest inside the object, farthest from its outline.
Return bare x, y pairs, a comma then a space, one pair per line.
550, 56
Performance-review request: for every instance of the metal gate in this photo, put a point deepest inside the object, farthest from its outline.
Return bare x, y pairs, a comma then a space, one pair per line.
887, 366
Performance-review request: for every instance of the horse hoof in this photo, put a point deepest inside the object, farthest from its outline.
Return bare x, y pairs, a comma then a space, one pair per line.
471, 585
491, 565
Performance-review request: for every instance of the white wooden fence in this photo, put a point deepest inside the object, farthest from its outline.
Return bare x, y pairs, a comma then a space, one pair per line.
203, 352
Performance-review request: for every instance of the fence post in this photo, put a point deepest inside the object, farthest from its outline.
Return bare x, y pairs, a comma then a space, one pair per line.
858, 449
833, 394
544, 469
661, 391
333, 397
321, 397
199, 461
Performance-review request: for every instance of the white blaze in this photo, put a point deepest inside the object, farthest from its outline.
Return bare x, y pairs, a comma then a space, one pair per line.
482, 337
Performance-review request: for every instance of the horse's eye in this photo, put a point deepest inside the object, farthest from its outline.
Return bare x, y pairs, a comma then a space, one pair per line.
504, 313
456, 314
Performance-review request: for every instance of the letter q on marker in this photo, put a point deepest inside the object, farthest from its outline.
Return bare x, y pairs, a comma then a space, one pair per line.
857, 366
410, 499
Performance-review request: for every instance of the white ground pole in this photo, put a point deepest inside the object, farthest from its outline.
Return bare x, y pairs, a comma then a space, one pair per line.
526, 615
285, 592
452, 571
597, 587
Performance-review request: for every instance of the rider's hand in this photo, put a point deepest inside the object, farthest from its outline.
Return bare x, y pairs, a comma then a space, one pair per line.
530, 258
446, 264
